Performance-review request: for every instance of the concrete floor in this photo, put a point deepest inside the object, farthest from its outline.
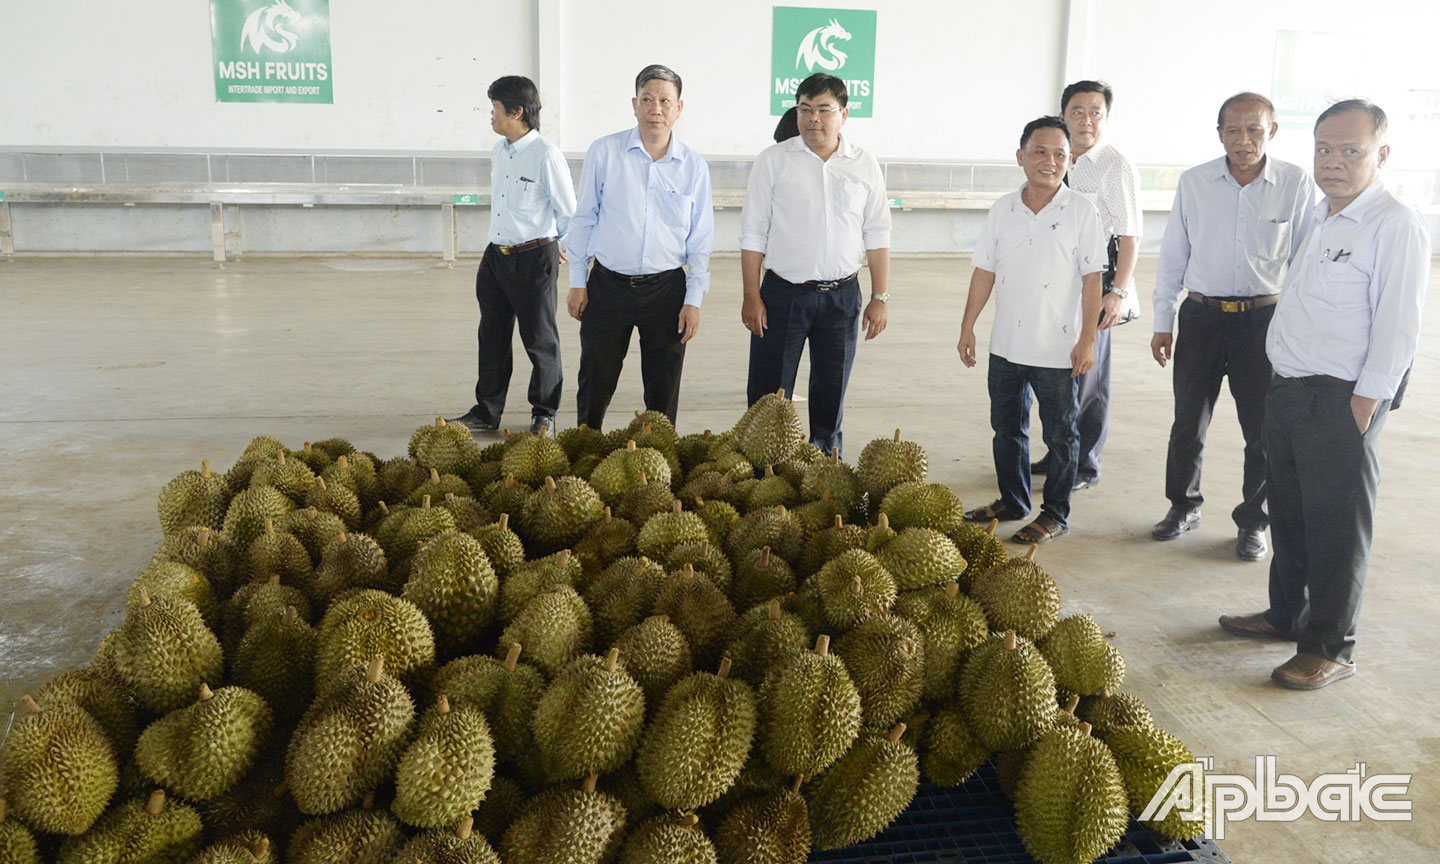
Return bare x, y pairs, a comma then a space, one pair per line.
115, 375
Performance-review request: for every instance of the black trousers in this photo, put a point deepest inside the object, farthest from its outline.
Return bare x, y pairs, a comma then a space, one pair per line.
1323, 477
511, 288
1212, 345
830, 321
617, 306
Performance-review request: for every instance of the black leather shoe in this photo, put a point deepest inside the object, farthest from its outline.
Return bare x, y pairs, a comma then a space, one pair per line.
1040, 466
540, 423
474, 422
1250, 545
1175, 523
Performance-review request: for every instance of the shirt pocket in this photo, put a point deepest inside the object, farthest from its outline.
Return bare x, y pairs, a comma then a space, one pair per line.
1271, 239
1344, 287
527, 198
674, 211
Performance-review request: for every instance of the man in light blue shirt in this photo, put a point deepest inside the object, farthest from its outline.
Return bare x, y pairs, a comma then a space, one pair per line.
532, 201
643, 217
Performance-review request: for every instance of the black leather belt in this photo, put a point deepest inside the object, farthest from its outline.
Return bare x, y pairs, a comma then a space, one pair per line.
822, 286
526, 246
642, 281
1235, 304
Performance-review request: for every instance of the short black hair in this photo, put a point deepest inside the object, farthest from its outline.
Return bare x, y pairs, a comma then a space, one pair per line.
1377, 114
656, 72
1046, 122
1240, 99
1087, 87
788, 127
819, 84
517, 92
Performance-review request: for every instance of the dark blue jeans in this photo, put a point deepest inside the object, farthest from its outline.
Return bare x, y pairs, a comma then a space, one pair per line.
1010, 386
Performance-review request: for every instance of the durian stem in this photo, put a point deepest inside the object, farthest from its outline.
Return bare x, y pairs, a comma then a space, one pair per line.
504, 522
30, 704
1030, 553
312, 513
291, 613
883, 521
1072, 703
675, 506
639, 567
689, 570
609, 517
990, 529
795, 786
144, 597
320, 482
780, 392
434, 476
261, 849
835, 454
342, 463
724, 669
549, 483
439, 422
611, 659
589, 784
269, 526
2, 810
952, 590
895, 733
205, 468
204, 538
689, 821
467, 827
442, 704
773, 610
1085, 729
897, 436
341, 538
513, 656
510, 480
1105, 693
563, 558
1010, 643
377, 668
274, 579
384, 510
156, 805
425, 503
769, 470
206, 694
704, 548
630, 446
839, 521
822, 644
765, 557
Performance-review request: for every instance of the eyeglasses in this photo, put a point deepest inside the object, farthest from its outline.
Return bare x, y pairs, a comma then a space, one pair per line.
822, 111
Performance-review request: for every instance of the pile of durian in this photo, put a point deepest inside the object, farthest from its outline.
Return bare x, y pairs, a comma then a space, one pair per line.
633, 646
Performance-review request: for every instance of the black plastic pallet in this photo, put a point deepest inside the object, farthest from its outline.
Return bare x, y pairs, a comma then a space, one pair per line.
975, 824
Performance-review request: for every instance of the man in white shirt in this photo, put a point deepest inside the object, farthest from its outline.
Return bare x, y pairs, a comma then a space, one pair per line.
815, 210
1236, 224
1108, 180
531, 202
1041, 252
1341, 342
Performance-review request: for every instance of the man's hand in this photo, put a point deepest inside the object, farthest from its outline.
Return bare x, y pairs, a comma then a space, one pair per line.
1363, 408
577, 301
563, 259
689, 322
1082, 357
752, 315
876, 317
1110, 310
966, 347
1161, 345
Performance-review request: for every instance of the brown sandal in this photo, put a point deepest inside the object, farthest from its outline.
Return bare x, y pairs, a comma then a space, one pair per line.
994, 510
1042, 530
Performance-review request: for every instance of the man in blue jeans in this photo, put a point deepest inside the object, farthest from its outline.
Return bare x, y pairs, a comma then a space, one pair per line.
1041, 252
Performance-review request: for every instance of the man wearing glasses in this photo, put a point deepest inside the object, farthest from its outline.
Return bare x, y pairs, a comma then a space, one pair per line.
815, 210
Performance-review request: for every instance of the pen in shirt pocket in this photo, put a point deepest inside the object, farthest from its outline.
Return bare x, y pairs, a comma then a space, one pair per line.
527, 181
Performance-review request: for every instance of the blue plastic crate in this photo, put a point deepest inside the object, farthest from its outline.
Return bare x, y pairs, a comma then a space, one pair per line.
975, 824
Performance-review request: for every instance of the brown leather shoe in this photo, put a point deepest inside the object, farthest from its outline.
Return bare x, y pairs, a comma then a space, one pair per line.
1255, 626
1310, 672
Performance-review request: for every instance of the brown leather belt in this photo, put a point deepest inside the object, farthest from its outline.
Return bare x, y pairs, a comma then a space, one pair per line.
526, 246
1235, 304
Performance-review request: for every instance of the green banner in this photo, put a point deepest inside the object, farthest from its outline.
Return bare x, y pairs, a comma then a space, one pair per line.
2, 196
471, 200
840, 42
272, 50
897, 203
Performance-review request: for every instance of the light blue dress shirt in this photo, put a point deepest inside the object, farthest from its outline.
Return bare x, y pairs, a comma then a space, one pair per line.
531, 195
639, 216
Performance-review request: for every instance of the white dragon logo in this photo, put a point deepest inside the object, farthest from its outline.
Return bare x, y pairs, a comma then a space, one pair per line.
818, 41
265, 28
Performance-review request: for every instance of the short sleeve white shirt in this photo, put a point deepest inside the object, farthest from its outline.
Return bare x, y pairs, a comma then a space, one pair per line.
1111, 182
1038, 260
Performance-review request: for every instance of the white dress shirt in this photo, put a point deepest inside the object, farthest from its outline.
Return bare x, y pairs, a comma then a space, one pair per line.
1038, 260
531, 195
1111, 182
814, 218
1353, 298
1228, 240
640, 216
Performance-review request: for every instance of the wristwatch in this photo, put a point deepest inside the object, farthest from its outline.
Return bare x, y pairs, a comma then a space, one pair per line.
1122, 293
883, 296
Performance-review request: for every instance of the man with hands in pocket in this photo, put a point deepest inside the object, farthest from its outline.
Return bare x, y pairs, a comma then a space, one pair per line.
646, 220
1342, 339
1235, 226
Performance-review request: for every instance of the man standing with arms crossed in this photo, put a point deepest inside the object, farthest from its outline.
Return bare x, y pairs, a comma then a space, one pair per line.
1342, 339
815, 210
644, 211
1236, 225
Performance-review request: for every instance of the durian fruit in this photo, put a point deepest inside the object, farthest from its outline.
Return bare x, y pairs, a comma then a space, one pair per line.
356, 472
1082, 660
249, 847
336, 447
809, 712
507, 692
315, 529
436, 487
830, 475
707, 559
396, 478
886, 463
1070, 801
460, 845
885, 656
771, 828
719, 517
60, 767
1018, 595
645, 499
952, 624
863, 791
566, 826
980, 548
694, 448
665, 531
199, 752
698, 741
952, 752
578, 441
1146, 756
363, 835
770, 431
502, 546
770, 526
879, 534
920, 558
164, 652
1107, 711
766, 637
668, 840
1007, 692
699, 610
532, 458
707, 484
824, 545
96, 694
446, 770
807, 605
506, 495
148, 830
590, 719
622, 595
291, 477
530, 578
853, 587
254, 602
469, 513
17, 845
555, 627
274, 553
653, 429
816, 516
276, 660
760, 576
209, 552
403, 532
770, 490
348, 740
350, 561
193, 499
451, 581
317, 459
559, 513
245, 516
607, 541
449, 448
656, 655
366, 624
620, 470
338, 499
923, 505
500, 807
624, 786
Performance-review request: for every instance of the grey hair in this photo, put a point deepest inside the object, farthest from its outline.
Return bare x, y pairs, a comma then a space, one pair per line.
656, 72
1377, 114
1240, 99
